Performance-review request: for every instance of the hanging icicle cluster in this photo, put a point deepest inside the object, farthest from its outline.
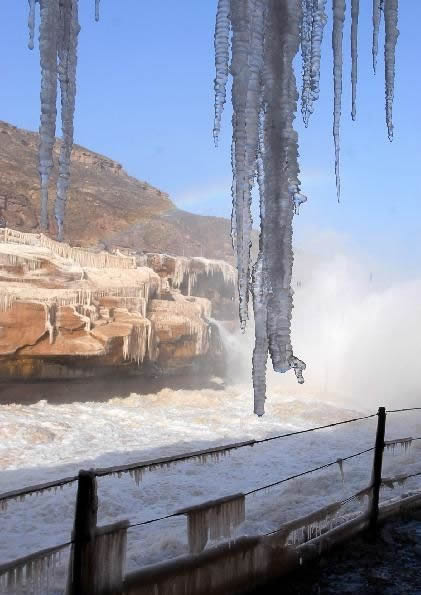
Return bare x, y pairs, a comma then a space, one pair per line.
58, 36
265, 38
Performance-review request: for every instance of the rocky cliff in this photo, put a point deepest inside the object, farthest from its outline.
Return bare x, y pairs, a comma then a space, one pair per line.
68, 312
107, 208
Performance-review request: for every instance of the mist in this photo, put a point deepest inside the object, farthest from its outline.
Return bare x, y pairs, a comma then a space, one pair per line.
355, 324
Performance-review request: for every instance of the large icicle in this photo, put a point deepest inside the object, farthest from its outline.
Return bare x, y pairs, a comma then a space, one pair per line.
264, 101
222, 33
377, 13
355, 10
67, 54
48, 59
280, 177
31, 23
391, 38
337, 38
241, 14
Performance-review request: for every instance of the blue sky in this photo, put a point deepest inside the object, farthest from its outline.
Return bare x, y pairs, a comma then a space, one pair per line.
145, 98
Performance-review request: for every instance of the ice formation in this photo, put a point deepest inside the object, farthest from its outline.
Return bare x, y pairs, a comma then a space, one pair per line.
312, 525
377, 13
34, 574
391, 38
402, 443
58, 32
48, 34
355, 9
97, 10
312, 25
110, 552
31, 23
337, 38
212, 520
390, 482
266, 36
341, 469
67, 59
84, 258
222, 32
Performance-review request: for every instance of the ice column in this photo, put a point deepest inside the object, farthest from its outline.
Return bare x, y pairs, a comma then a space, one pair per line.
377, 13
391, 38
67, 54
48, 58
337, 37
355, 9
222, 33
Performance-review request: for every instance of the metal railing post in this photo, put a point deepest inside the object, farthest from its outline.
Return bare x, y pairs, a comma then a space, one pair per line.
376, 478
82, 560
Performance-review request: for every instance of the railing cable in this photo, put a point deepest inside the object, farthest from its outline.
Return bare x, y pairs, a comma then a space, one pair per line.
265, 487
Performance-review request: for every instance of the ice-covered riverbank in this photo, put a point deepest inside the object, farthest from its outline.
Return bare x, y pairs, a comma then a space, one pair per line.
45, 441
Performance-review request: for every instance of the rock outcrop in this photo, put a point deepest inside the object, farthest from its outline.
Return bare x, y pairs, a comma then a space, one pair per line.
106, 208
69, 312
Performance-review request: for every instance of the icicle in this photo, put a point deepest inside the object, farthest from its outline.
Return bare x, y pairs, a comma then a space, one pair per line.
241, 15
97, 10
306, 37
341, 469
110, 548
389, 482
377, 13
319, 22
312, 525
261, 344
67, 53
222, 32
404, 443
31, 23
355, 9
337, 38
137, 475
391, 38
213, 520
48, 59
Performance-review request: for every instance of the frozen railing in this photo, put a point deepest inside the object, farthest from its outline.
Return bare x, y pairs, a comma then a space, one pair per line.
84, 258
97, 554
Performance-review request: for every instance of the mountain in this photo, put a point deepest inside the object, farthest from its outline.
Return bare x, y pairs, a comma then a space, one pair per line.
107, 208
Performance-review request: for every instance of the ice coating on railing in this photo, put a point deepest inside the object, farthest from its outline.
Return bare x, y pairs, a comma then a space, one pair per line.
213, 520
35, 574
399, 443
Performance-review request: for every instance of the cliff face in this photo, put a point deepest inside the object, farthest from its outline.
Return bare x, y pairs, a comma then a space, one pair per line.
69, 312
106, 207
